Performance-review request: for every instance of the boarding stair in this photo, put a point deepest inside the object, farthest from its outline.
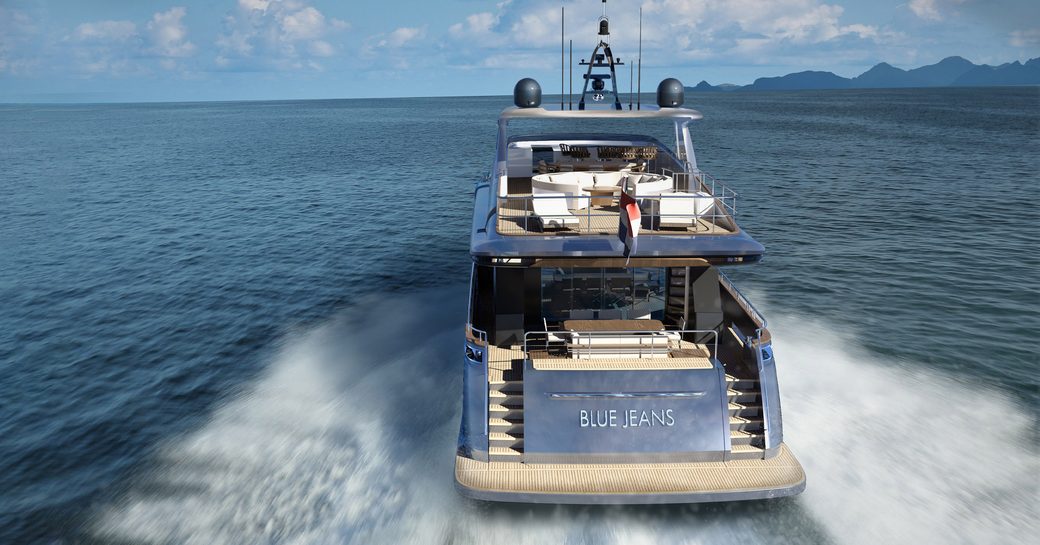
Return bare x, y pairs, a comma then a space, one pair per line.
675, 305
746, 425
506, 417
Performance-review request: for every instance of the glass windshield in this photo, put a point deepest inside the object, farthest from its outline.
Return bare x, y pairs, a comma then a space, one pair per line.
589, 294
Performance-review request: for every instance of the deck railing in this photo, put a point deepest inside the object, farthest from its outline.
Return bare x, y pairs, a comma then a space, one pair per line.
629, 343
700, 181
696, 204
745, 304
477, 352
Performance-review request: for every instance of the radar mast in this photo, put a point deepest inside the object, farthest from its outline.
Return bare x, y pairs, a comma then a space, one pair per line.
602, 58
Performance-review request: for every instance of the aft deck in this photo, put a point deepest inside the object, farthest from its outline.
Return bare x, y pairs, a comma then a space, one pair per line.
516, 217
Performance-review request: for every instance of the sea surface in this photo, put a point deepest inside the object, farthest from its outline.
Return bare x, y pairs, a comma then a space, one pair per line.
241, 323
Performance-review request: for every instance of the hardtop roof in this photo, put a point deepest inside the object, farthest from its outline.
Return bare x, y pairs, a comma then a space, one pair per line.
648, 112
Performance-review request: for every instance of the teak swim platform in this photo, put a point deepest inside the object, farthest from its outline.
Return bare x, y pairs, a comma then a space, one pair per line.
607, 357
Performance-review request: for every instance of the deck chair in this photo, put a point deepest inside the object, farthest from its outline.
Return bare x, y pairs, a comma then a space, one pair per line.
550, 210
551, 336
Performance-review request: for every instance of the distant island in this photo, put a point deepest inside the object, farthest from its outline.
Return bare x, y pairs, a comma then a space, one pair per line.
949, 72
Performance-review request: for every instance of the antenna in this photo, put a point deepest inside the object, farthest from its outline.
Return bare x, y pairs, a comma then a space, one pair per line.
562, 66
639, 90
631, 83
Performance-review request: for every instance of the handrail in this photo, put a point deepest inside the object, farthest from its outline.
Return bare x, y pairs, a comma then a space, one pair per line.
516, 213
745, 304
476, 336
709, 184
477, 349
575, 338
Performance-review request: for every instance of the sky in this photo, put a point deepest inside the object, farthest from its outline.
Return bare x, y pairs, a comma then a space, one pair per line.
193, 50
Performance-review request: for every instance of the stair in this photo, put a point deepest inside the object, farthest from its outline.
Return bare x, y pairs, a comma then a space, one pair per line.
746, 425
506, 421
504, 454
675, 278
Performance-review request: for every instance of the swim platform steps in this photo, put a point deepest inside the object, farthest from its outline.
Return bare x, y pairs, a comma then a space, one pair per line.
505, 419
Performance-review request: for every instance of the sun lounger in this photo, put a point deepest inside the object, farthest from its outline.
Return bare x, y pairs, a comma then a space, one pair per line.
550, 210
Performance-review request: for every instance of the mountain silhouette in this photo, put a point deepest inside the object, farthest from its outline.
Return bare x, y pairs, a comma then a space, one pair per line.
949, 72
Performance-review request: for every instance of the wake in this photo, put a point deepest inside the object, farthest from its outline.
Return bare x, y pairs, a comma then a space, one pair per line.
349, 437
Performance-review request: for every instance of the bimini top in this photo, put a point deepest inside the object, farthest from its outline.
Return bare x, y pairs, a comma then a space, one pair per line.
647, 112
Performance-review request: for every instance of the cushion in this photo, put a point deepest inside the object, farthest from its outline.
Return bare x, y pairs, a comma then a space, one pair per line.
584, 179
635, 178
608, 179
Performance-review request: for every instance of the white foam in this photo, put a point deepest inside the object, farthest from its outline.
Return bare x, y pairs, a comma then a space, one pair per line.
349, 437
897, 453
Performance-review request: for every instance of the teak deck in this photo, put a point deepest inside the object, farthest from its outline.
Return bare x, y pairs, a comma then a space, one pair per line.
780, 475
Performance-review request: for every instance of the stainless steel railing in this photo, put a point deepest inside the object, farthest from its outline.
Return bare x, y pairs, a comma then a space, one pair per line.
582, 343
477, 352
476, 343
726, 196
745, 304
598, 214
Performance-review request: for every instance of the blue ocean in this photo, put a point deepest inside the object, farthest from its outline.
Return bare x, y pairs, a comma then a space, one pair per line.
241, 323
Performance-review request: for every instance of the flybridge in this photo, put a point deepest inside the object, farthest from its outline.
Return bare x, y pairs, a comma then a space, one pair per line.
557, 194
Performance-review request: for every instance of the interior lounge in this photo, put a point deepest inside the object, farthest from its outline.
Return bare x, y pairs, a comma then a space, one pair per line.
528, 158
562, 311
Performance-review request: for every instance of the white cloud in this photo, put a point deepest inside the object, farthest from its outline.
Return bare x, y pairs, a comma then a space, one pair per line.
863, 31
394, 49
19, 42
794, 21
513, 25
933, 10
476, 24
1025, 38
305, 24
169, 35
276, 34
124, 47
478, 31
925, 9
260, 5
321, 48
105, 31
401, 36
737, 31
110, 47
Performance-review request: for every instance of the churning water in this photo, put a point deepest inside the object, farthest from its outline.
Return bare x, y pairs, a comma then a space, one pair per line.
348, 438
240, 323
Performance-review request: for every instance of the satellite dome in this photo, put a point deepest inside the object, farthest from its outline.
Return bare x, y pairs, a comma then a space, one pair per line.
527, 94
670, 93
